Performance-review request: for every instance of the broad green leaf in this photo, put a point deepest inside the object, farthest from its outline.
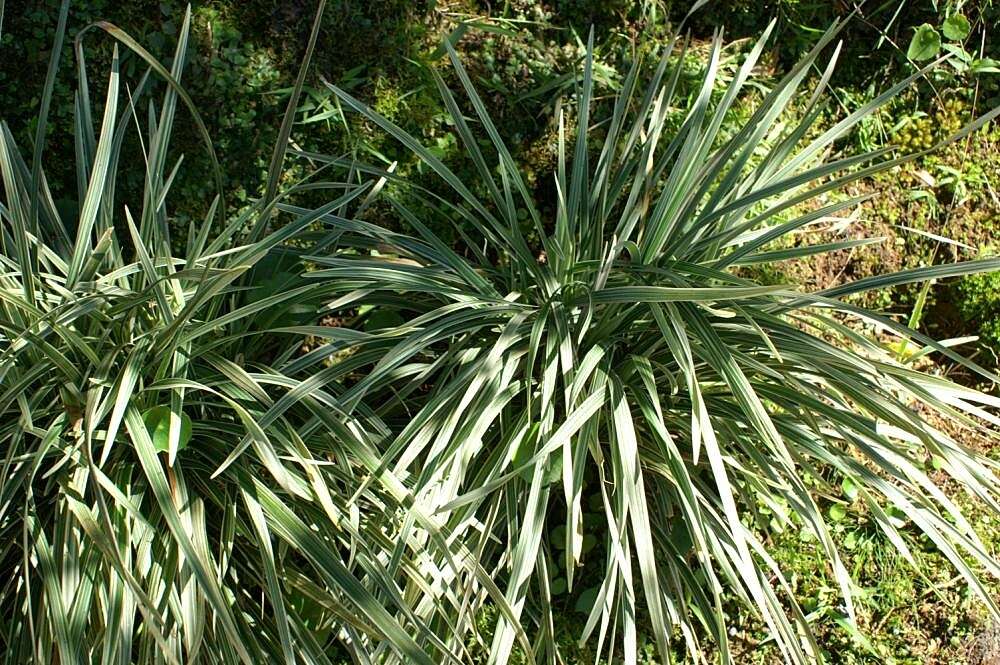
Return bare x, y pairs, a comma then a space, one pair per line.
925, 43
956, 27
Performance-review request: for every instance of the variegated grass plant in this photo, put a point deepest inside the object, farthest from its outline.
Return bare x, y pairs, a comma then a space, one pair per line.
182, 484
171, 492
623, 365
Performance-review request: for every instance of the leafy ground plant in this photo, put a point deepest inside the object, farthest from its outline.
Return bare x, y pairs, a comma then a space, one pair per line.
603, 357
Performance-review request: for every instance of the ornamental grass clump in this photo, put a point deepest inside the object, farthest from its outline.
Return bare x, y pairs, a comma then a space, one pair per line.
490, 433
604, 360
173, 492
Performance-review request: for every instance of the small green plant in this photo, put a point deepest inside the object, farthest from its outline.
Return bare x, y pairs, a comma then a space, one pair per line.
927, 44
921, 131
979, 302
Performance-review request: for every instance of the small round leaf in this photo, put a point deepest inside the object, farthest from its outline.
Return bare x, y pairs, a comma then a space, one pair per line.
382, 318
586, 601
157, 422
559, 536
926, 43
849, 489
897, 517
956, 27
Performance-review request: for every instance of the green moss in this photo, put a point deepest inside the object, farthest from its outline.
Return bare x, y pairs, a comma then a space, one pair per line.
979, 302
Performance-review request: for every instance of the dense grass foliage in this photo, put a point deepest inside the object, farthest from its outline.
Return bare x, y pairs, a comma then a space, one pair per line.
356, 429
627, 365
243, 58
169, 493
